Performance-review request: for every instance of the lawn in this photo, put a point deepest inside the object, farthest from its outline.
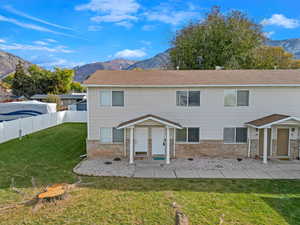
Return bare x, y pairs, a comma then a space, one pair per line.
50, 155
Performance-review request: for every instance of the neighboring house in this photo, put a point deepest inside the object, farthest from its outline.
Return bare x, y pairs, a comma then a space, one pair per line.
5, 93
78, 106
66, 99
181, 114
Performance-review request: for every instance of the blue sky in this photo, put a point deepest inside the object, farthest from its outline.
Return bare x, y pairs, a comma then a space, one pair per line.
72, 32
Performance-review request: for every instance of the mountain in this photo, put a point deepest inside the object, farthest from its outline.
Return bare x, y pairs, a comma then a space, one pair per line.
83, 72
290, 45
8, 63
160, 61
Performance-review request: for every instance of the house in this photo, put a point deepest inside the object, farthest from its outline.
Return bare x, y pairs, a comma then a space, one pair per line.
203, 113
66, 99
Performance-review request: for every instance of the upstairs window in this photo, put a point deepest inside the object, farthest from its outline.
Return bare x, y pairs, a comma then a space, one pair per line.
188, 98
191, 135
111, 98
235, 135
233, 97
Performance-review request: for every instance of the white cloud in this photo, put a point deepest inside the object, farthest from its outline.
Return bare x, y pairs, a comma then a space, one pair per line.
172, 13
113, 11
148, 27
125, 24
16, 46
269, 34
51, 40
22, 14
282, 21
171, 17
127, 53
94, 28
2, 41
30, 26
40, 43
58, 62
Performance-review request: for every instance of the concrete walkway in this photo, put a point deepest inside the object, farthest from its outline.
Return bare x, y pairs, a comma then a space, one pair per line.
199, 168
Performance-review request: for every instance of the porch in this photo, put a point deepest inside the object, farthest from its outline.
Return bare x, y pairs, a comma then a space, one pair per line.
274, 137
149, 138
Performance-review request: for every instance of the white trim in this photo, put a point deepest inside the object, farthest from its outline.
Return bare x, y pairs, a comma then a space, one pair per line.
88, 117
150, 118
190, 86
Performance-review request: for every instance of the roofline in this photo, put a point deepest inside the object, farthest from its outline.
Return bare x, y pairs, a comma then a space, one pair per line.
151, 118
192, 85
268, 125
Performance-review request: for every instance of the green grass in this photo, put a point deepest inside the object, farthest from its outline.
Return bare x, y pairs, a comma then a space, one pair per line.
50, 155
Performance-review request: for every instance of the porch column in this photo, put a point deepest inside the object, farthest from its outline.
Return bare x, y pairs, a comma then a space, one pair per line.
131, 154
168, 146
265, 153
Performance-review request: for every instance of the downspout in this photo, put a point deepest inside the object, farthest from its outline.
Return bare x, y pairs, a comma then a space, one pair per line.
249, 142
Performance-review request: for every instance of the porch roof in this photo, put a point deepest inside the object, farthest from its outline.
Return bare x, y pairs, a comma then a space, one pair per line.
270, 120
149, 117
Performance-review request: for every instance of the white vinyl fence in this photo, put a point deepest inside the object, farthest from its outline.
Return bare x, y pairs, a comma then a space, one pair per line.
16, 128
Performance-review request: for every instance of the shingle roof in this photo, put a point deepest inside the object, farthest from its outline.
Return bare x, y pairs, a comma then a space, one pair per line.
267, 120
145, 117
194, 77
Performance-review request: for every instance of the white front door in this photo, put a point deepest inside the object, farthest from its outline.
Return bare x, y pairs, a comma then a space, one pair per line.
141, 140
158, 137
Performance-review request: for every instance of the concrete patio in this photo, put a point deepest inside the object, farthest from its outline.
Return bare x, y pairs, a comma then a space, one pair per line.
198, 168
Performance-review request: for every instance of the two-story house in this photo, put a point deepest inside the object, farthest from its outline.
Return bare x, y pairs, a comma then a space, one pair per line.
180, 114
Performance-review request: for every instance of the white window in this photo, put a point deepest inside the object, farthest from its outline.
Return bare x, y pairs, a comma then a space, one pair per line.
235, 135
111, 135
188, 98
191, 134
233, 97
111, 98
105, 135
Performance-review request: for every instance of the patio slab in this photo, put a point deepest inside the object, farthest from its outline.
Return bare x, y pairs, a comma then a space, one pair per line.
199, 168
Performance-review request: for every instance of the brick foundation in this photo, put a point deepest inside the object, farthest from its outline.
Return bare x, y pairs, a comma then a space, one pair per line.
211, 148
96, 149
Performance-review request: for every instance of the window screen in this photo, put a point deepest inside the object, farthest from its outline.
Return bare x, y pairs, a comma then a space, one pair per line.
229, 135
181, 135
194, 98
241, 135
193, 134
105, 135
230, 97
105, 98
118, 135
117, 98
181, 98
243, 98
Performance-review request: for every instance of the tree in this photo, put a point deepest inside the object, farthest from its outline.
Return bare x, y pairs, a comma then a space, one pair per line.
77, 87
62, 80
266, 57
51, 98
219, 40
22, 82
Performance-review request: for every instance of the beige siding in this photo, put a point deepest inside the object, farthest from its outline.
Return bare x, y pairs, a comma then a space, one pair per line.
211, 116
